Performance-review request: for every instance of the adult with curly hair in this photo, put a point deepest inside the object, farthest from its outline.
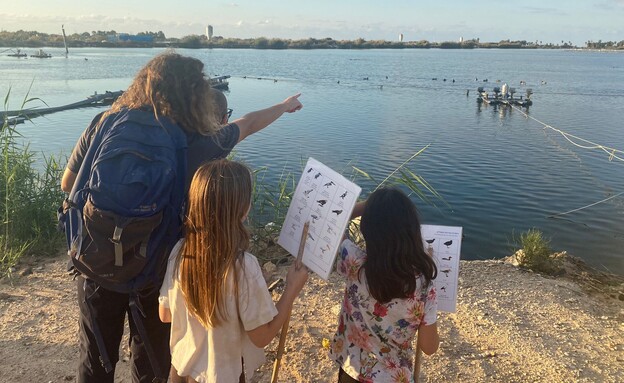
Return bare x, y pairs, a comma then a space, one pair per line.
173, 87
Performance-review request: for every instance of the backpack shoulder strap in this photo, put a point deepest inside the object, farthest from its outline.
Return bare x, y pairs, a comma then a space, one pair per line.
87, 162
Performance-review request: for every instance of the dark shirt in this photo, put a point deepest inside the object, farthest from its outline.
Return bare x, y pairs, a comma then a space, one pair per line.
201, 148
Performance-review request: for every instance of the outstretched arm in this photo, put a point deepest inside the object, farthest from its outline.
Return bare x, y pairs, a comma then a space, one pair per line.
260, 119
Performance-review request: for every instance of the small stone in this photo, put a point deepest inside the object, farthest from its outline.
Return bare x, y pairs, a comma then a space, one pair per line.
269, 267
26, 271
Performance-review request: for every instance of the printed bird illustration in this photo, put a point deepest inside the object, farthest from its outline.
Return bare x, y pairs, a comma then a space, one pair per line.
322, 202
324, 249
309, 170
314, 217
446, 272
330, 183
448, 243
337, 212
311, 237
343, 195
430, 241
330, 230
307, 192
443, 288
317, 175
447, 259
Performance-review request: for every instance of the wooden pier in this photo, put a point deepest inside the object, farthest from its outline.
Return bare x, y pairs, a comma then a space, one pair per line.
19, 116
14, 117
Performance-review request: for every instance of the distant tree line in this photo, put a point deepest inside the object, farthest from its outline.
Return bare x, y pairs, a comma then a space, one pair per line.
106, 39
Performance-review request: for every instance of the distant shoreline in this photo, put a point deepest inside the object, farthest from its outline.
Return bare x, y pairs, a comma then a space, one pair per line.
406, 46
112, 39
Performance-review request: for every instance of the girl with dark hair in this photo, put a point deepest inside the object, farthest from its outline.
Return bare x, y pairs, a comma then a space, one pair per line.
214, 294
389, 295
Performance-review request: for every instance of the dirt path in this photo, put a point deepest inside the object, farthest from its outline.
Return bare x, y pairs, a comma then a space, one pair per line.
510, 326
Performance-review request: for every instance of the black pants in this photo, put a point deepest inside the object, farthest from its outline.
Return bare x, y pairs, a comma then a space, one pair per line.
343, 377
109, 311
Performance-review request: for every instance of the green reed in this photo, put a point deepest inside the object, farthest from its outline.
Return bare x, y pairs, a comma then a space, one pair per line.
28, 197
271, 201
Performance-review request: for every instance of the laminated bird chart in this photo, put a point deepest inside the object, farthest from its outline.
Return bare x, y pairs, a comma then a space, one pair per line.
443, 243
325, 199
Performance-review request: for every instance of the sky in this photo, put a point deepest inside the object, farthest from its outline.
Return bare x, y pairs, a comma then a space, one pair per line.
444, 20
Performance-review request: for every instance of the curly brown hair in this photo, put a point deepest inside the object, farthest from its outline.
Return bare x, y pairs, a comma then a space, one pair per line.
173, 86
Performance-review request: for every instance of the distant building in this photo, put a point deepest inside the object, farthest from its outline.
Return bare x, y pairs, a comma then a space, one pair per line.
461, 39
400, 37
209, 32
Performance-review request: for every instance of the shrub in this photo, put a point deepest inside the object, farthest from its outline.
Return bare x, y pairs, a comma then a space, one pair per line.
535, 253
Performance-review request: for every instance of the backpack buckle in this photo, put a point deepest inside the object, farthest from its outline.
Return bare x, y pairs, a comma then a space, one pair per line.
116, 240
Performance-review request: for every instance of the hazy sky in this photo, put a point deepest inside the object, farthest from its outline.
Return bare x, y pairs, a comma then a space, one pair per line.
442, 20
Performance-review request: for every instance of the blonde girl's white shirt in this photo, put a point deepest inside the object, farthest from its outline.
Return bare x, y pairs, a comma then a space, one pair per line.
214, 354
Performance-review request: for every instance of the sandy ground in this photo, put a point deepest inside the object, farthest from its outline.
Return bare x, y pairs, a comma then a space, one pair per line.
511, 326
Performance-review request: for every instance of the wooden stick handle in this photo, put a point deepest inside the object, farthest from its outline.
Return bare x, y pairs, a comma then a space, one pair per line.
417, 360
304, 236
282, 340
280, 350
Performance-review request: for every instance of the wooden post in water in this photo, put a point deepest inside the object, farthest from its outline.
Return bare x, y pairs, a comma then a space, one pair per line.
282, 340
64, 40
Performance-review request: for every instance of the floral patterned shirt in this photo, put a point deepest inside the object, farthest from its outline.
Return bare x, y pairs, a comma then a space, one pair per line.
373, 342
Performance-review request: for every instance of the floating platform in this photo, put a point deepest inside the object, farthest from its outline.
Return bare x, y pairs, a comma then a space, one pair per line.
41, 54
220, 82
18, 53
504, 96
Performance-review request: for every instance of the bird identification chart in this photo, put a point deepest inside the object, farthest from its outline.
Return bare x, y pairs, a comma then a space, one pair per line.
443, 243
325, 199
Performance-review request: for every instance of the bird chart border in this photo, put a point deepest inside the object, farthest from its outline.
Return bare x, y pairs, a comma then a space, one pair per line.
443, 243
325, 199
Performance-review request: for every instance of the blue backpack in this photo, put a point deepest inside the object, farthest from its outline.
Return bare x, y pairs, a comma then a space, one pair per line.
124, 213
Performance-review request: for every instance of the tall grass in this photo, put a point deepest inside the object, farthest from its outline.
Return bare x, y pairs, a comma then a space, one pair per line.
28, 197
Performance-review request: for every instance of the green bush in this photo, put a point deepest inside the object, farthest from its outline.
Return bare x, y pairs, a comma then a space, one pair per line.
535, 253
28, 199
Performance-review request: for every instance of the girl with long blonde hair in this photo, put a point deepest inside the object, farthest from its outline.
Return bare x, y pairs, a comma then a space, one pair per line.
214, 294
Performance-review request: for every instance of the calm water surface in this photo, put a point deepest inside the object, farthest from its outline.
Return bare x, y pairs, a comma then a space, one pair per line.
499, 171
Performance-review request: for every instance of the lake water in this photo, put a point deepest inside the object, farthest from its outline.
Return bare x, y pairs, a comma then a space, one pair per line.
500, 172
